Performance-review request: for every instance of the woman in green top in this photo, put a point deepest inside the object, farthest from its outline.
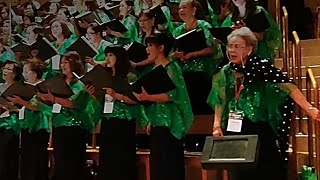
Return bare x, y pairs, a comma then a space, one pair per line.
270, 38
147, 29
167, 26
170, 115
129, 21
198, 66
220, 13
21, 28
9, 127
252, 91
94, 34
34, 127
117, 148
70, 122
64, 15
63, 40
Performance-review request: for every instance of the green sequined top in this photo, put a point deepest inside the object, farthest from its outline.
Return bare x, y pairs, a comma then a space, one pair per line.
260, 101
102, 46
206, 64
216, 23
168, 25
177, 113
77, 116
36, 120
131, 23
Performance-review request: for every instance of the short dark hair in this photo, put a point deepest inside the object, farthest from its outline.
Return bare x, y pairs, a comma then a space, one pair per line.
76, 63
164, 39
122, 65
16, 69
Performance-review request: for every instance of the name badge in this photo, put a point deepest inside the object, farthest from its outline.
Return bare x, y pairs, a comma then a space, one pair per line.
108, 104
235, 121
56, 108
21, 112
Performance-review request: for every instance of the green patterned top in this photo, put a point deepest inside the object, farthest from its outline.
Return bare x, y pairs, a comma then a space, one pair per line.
206, 64
103, 17
176, 114
168, 25
131, 23
102, 46
260, 101
36, 120
77, 116
216, 23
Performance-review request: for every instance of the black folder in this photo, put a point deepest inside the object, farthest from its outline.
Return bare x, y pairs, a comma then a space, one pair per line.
114, 25
24, 91
83, 47
6, 104
99, 77
17, 38
221, 33
17, 10
23, 48
137, 52
174, 11
111, 10
45, 48
89, 17
156, 81
257, 22
47, 19
67, 2
159, 16
191, 41
57, 85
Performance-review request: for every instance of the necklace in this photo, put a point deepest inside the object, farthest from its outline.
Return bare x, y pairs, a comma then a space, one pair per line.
188, 28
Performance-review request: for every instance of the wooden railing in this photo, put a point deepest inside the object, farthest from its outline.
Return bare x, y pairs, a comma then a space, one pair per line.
278, 13
285, 39
317, 24
313, 127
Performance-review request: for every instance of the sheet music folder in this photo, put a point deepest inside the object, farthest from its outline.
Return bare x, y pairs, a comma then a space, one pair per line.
156, 81
137, 52
230, 152
191, 41
24, 91
99, 77
83, 47
221, 33
57, 85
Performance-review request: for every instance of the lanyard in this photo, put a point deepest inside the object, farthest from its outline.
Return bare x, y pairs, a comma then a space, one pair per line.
237, 88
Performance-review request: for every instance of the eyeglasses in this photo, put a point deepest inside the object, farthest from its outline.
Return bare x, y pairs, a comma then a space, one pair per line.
235, 46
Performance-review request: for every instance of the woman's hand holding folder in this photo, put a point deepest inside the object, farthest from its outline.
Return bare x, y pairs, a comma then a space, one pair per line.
16, 100
49, 97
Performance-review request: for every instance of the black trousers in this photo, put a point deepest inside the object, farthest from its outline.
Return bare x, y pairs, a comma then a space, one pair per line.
198, 86
9, 154
166, 155
117, 153
69, 149
34, 155
270, 164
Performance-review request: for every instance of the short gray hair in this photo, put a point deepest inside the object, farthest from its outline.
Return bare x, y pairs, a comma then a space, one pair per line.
246, 34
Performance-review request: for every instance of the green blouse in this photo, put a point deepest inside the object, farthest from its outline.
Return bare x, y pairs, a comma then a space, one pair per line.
177, 113
216, 23
77, 116
260, 101
206, 64
168, 25
131, 23
102, 46
36, 120
11, 122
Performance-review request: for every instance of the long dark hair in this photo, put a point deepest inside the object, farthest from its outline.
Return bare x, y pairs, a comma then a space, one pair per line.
251, 6
122, 65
